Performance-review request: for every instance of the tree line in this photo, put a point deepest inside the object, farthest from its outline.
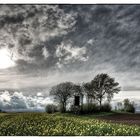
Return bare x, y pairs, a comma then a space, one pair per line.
101, 88
126, 106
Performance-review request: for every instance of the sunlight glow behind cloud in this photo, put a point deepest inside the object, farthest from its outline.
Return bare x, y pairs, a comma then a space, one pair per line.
5, 59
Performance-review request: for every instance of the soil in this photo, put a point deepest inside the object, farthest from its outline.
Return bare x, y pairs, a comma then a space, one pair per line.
131, 119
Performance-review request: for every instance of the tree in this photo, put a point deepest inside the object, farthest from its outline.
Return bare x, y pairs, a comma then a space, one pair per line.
62, 93
126, 103
104, 87
128, 106
78, 89
89, 90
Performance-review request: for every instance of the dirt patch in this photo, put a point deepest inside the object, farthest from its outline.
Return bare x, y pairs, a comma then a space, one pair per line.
131, 119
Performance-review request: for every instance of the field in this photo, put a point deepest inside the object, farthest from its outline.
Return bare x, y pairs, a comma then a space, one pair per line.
130, 119
43, 124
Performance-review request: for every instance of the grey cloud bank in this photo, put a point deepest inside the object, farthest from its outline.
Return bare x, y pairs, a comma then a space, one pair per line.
16, 101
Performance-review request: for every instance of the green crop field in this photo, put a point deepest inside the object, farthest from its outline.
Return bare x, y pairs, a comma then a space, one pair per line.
43, 124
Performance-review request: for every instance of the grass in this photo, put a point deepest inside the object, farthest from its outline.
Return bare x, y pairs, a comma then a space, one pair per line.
43, 124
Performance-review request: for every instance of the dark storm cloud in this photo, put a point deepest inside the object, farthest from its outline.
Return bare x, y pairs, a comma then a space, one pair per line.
56, 41
30, 27
114, 36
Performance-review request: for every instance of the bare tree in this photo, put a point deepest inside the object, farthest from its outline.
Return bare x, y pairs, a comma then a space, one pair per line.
104, 87
62, 93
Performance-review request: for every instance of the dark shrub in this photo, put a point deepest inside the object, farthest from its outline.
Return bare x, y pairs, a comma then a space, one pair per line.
51, 108
75, 109
130, 108
105, 107
90, 108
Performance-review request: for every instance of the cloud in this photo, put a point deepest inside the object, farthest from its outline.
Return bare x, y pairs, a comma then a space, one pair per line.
53, 43
16, 101
45, 53
67, 53
104, 28
90, 41
26, 31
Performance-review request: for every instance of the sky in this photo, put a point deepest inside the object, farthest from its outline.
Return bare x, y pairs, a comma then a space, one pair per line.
43, 45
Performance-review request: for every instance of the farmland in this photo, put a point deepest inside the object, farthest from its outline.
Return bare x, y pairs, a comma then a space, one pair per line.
43, 124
